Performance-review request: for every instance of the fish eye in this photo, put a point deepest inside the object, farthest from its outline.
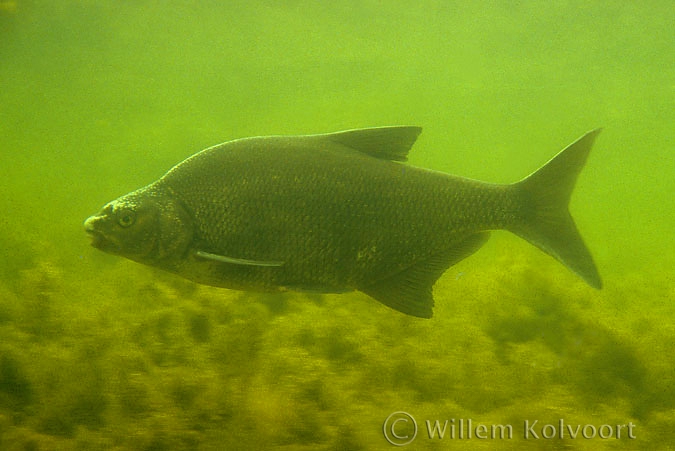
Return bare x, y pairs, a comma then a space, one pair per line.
126, 218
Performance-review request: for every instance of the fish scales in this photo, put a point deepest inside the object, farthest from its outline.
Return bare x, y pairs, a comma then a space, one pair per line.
317, 209
332, 213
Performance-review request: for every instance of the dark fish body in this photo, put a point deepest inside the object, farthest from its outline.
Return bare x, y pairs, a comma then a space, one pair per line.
334, 213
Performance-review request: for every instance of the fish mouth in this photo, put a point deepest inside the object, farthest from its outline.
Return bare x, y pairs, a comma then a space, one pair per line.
98, 238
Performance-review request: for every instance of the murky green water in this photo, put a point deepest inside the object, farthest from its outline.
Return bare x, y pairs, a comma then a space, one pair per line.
101, 97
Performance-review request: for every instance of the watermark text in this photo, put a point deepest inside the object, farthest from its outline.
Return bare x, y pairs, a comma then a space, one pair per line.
401, 428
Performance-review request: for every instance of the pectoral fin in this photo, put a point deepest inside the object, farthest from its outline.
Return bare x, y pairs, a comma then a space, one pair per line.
409, 291
235, 261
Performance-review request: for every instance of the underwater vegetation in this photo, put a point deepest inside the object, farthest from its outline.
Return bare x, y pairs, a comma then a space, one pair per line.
148, 361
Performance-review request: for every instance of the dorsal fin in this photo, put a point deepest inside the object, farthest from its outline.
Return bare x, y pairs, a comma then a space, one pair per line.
387, 143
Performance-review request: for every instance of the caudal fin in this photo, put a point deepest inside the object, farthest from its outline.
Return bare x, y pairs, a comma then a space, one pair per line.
545, 220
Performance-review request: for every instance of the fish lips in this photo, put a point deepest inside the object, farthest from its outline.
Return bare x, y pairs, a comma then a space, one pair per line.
98, 239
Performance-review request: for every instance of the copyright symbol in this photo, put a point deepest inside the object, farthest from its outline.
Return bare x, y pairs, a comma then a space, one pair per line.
400, 428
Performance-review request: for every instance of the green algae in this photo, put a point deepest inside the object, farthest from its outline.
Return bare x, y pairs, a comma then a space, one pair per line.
325, 375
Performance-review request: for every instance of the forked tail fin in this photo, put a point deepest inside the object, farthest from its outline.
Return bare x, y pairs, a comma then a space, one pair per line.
545, 220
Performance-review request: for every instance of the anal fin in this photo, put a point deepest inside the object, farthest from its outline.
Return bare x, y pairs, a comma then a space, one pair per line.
410, 291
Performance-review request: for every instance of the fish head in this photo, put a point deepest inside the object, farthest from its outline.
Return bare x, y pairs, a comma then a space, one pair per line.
147, 226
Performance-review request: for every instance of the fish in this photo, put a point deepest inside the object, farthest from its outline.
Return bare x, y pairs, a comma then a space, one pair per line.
334, 213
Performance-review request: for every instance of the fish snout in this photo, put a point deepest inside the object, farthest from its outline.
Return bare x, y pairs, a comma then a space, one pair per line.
90, 223
92, 227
